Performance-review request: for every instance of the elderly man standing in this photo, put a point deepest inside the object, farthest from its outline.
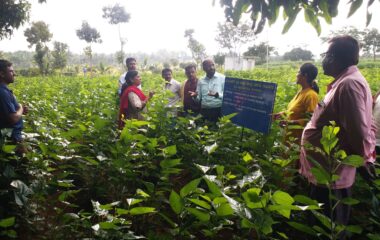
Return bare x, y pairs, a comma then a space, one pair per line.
210, 92
348, 102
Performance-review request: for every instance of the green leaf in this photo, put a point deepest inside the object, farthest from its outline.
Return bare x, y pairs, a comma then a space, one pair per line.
219, 170
355, 5
210, 149
302, 228
247, 157
8, 148
224, 210
168, 163
245, 223
322, 218
142, 210
10, 233
290, 21
214, 189
240, 7
190, 187
176, 202
201, 215
7, 222
354, 229
350, 201
170, 151
200, 203
121, 211
133, 201
282, 198
320, 175
305, 200
368, 18
107, 225
354, 160
142, 193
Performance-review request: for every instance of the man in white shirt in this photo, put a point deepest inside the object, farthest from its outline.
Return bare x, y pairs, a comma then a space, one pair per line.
174, 87
131, 66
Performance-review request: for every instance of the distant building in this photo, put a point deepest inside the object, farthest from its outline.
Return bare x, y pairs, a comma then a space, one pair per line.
239, 63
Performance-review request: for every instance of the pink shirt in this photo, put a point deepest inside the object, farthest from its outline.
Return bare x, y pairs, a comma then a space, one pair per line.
348, 102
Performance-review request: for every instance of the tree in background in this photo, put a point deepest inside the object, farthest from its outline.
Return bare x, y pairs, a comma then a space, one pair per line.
197, 49
13, 14
369, 39
232, 37
90, 35
174, 62
117, 15
298, 54
59, 55
262, 12
371, 42
219, 59
260, 51
348, 30
38, 34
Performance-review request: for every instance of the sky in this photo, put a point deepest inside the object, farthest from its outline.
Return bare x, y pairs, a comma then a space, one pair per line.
160, 24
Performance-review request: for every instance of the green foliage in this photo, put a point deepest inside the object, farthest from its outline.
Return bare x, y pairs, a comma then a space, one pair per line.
233, 37
38, 34
197, 49
261, 12
116, 14
88, 34
219, 59
298, 54
261, 51
12, 16
161, 178
59, 55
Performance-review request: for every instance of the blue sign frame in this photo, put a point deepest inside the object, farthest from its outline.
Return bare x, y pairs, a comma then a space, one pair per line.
253, 101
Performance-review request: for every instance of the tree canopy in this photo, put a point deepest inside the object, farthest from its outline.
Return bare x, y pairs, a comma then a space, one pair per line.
38, 33
262, 12
232, 37
13, 14
298, 54
198, 51
88, 34
116, 14
260, 51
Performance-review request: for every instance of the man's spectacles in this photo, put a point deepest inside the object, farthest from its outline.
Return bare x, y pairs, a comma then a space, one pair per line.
327, 54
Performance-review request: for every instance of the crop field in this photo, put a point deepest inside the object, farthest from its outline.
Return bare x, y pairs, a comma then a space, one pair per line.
162, 178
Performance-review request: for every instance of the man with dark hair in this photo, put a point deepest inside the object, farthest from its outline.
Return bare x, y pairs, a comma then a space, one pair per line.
209, 92
131, 66
348, 102
10, 110
190, 85
174, 87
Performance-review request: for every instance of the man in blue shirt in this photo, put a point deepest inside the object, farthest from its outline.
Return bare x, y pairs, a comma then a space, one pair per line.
10, 110
210, 92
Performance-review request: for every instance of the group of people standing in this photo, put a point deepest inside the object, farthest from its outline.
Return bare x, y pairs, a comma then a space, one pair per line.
203, 96
348, 102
